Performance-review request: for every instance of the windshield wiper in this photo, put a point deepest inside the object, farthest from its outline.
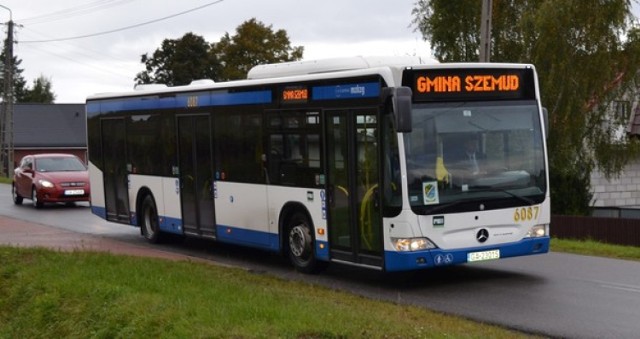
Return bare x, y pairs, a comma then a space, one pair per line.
447, 205
501, 190
435, 209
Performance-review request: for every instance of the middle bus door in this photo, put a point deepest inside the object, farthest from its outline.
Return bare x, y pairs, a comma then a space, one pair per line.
354, 218
196, 175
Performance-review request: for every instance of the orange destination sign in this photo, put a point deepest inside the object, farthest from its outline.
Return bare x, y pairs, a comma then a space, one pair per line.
470, 83
475, 83
295, 94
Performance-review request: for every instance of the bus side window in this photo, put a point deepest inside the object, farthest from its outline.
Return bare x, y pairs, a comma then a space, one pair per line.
293, 155
286, 159
274, 159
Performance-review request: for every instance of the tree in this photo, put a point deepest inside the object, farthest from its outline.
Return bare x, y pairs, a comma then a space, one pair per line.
254, 44
42, 86
451, 27
40, 92
584, 61
178, 62
19, 83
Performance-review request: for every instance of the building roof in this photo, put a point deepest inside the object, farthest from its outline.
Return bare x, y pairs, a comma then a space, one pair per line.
49, 125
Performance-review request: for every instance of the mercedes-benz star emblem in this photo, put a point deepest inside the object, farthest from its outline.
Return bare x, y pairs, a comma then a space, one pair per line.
482, 235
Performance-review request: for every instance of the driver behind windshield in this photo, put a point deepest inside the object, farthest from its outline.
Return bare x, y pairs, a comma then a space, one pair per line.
462, 154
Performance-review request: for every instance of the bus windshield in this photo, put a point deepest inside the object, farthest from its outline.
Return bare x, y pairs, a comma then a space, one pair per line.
467, 156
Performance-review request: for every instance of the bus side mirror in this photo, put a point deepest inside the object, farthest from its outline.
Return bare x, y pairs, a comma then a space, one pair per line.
401, 104
545, 117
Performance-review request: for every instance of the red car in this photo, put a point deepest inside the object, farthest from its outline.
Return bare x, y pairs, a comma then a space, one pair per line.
49, 178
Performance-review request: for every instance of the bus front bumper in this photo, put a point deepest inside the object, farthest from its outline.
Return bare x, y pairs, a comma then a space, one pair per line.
406, 261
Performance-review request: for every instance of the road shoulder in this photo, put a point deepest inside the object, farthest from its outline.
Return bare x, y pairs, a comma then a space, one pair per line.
20, 233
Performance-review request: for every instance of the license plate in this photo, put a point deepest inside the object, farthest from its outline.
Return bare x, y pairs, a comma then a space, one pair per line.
74, 192
482, 256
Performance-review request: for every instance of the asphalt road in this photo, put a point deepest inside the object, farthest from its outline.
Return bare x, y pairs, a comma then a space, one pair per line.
556, 295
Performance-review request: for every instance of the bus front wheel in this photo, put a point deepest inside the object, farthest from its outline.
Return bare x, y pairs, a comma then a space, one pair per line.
150, 223
300, 244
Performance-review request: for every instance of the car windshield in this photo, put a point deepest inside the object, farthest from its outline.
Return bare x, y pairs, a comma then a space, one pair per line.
59, 164
474, 152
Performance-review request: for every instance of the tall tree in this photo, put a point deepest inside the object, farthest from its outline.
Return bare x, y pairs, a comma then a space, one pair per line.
452, 27
178, 62
584, 61
254, 44
19, 83
41, 92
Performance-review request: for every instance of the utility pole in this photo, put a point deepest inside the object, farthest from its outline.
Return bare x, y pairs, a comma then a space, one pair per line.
6, 130
485, 31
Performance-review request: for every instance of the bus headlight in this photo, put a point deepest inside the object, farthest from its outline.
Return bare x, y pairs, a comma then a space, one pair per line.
537, 231
412, 244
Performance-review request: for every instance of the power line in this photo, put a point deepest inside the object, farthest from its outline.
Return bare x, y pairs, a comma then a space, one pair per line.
125, 28
73, 11
83, 63
77, 49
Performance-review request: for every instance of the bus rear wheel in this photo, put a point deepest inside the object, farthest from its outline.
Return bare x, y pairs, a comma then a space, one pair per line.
150, 222
300, 245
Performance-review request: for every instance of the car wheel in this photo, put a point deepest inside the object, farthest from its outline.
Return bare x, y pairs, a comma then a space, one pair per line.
150, 222
301, 245
17, 199
34, 198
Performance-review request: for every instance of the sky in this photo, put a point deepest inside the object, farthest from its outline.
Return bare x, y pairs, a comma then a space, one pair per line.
109, 62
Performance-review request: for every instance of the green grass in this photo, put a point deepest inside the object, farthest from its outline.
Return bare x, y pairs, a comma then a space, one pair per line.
595, 248
5, 180
50, 294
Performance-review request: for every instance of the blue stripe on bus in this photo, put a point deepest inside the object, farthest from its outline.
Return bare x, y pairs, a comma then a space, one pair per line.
179, 101
346, 91
167, 224
170, 225
251, 238
93, 107
401, 261
322, 253
228, 234
227, 99
99, 211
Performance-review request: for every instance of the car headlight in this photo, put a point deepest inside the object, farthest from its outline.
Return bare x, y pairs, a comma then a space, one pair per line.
45, 183
412, 244
537, 231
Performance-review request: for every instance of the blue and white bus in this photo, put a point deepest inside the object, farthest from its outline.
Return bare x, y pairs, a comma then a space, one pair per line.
383, 163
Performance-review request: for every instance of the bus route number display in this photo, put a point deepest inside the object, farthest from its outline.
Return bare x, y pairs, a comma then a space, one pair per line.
471, 84
295, 94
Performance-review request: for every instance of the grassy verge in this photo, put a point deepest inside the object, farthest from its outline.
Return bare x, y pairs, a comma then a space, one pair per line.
595, 248
49, 294
5, 180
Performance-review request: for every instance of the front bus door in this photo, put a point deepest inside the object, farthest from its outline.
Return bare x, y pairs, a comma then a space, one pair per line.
116, 185
354, 218
196, 175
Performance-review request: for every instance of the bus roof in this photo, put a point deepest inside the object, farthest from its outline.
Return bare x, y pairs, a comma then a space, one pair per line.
388, 67
306, 67
473, 65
